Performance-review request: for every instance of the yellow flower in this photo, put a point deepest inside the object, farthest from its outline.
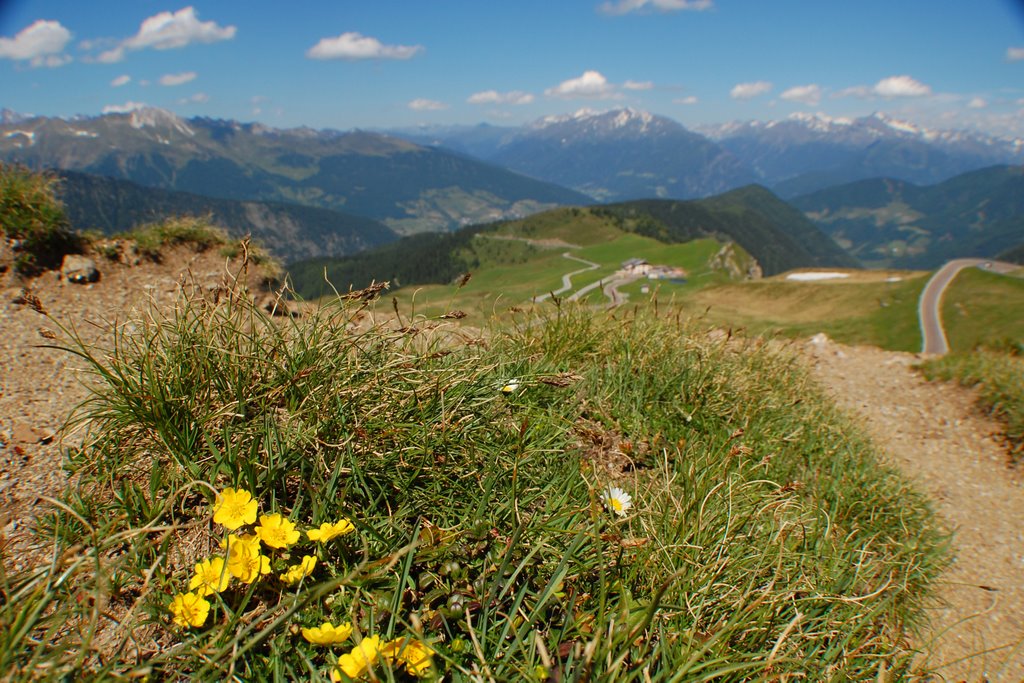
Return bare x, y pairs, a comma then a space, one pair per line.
276, 531
210, 577
297, 572
189, 609
415, 654
327, 634
234, 508
245, 562
327, 531
359, 660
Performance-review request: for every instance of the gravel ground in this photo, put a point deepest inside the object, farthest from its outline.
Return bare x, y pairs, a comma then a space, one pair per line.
932, 432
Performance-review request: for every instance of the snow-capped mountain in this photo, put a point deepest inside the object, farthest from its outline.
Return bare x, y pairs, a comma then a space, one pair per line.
807, 152
622, 154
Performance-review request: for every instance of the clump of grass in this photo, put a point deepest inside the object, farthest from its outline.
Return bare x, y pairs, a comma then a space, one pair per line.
763, 540
196, 231
997, 372
33, 218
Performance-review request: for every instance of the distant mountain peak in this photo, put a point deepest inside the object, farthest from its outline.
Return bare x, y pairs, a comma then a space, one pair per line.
154, 117
606, 119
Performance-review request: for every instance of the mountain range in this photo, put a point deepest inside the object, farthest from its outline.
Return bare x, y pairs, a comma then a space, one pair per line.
628, 154
886, 222
407, 186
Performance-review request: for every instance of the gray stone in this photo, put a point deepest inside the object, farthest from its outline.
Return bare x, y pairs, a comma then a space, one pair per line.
79, 269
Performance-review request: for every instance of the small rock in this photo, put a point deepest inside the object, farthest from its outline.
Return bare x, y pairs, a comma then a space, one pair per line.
22, 433
79, 269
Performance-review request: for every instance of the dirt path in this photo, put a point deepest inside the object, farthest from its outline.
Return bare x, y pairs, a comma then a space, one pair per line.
930, 431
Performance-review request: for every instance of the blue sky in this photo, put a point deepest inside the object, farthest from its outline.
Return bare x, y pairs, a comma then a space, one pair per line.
371, 64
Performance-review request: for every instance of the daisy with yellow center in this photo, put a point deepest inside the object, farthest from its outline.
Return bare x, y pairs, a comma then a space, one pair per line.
211, 577
189, 609
327, 633
359, 660
327, 531
414, 654
245, 561
277, 531
511, 387
617, 500
297, 572
234, 508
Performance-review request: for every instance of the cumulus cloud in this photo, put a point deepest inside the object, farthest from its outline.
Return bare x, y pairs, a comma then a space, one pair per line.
977, 103
747, 91
689, 99
591, 85
422, 104
494, 97
40, 44
178, 79
355, 46
638, 85
125, 108
1014, 54
900, 86
121, 80
627, 6
807, 94
167, 31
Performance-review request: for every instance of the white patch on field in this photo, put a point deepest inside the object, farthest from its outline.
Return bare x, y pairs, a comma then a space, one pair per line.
819, 275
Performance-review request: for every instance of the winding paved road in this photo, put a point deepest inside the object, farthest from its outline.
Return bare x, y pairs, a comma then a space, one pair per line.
932, 334
567, 278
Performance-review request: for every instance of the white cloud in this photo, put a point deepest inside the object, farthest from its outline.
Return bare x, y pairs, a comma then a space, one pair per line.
855, 91
977, 103
689, 99
638, 85
166, 31
178, 79
353, 46
807, 94
746, 91
591, 85
900, 86
1014, 54
198, 98
121, 80
427, 105
495, 97
125, 108
627, 6
41, 44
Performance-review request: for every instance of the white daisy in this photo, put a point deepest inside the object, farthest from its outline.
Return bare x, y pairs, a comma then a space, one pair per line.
617, 500
511, 387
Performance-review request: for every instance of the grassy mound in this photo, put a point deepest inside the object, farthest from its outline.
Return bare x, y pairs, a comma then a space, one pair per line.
33, 219
588, 497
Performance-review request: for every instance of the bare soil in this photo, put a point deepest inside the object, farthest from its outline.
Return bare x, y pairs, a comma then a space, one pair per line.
935, 435
930, 431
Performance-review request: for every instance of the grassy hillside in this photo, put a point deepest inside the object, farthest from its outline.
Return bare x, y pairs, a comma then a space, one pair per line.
975, 307
643, 503
866, 308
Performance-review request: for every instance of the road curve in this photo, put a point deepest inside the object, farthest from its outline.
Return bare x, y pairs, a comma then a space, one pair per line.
933, 336
567, 278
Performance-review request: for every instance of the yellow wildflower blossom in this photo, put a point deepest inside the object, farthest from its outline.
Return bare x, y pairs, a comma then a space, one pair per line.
327, 531
297, 572
234, 508
210, 577
245, 561
277, 531
327, 633
189, 609
359, 660
413, 653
